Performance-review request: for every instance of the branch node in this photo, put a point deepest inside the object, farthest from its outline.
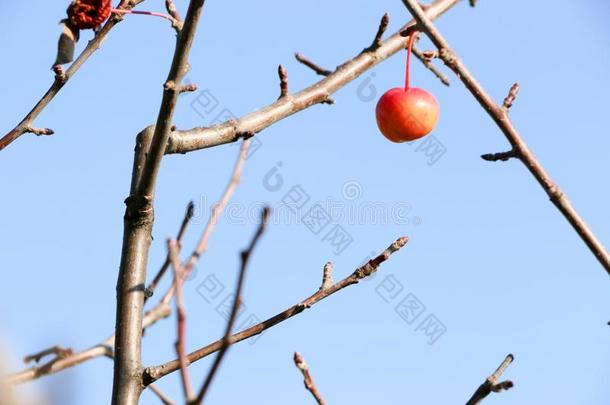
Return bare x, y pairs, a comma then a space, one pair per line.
510, 98
58, 351
313, 66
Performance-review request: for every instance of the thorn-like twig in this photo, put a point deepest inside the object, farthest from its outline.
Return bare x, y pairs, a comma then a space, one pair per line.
299, 361
283, 74
173, 252
383, 26
227, 339
312, 65
500, 156
154, 373
491, 383
327, 276
188, 215
510, 98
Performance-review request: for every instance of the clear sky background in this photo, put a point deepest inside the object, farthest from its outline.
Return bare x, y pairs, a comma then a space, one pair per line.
489, 257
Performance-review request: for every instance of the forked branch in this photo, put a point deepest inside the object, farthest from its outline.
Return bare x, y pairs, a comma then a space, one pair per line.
499, 114
491, 383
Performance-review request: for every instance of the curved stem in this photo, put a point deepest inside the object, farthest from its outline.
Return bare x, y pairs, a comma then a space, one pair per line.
124, 11
409, 50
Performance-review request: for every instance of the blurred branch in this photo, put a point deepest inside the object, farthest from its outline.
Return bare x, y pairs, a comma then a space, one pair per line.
491, 383
320, 92
499, 114
152, 374
104, 348
227, 340
25, 126
173, 252
190, 208
299, 361
214, 215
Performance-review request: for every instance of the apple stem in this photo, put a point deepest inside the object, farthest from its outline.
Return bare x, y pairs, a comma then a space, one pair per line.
151, 13
409, 49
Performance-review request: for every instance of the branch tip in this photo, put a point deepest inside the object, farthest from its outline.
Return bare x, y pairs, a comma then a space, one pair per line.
512, 95
283, 74
383, 26
313, 66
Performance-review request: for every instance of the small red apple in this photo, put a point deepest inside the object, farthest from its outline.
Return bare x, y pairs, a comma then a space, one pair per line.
406, 115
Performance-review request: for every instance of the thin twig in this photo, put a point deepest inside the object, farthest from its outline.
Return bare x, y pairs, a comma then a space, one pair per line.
319, 92
227, 340
154, 373
383, 26
299, 361
214, 215
491, 383
190, 209
25, 126
430, 66
312, 65
173, 251
176, 24
501, 118
164, 398
283, 74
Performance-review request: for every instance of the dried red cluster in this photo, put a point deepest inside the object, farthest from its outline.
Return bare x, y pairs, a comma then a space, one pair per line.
89, 14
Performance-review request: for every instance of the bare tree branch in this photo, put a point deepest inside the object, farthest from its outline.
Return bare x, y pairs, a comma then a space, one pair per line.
227, 340
491, 383
190, 208
138, 222
215, 214
161, 310
501, 118
231, 131
299, 361
172, 248
25, 126
152, 374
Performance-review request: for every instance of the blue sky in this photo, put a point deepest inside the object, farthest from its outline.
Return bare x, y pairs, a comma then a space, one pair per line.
489, 257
